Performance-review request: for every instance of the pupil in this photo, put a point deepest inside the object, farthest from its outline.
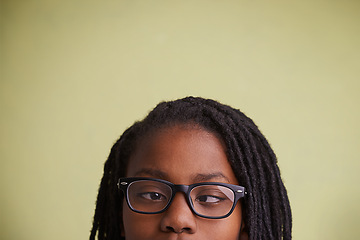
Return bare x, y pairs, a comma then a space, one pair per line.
202, 198
155, 196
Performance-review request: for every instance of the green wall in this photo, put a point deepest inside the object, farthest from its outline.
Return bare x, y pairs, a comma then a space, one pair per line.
76, 73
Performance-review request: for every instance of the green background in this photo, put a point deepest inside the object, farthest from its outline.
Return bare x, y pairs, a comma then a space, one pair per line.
76, 73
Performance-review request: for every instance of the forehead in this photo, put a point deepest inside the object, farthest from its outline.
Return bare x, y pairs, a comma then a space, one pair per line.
181, 154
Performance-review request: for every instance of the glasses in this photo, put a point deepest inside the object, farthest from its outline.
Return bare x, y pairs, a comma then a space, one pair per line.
208, 200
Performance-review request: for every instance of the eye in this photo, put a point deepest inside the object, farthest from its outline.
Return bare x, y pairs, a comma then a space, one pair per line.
208, 199
152, 196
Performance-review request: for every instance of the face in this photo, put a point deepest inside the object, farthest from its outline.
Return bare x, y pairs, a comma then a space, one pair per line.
181, 155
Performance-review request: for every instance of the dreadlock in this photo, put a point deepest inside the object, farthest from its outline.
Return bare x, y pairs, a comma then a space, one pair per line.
266, 208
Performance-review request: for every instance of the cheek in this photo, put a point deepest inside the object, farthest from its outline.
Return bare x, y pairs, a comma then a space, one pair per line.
227, 228
139, 226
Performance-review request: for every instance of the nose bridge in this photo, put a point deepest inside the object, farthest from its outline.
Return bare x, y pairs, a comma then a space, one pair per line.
181, 188
184, 189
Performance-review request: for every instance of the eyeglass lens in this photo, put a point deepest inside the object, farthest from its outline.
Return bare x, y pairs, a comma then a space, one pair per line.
207, 200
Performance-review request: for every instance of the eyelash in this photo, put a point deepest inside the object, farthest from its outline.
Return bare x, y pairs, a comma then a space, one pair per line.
150, 195
218, 199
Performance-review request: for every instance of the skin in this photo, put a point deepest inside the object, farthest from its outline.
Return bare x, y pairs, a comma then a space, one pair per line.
181, 155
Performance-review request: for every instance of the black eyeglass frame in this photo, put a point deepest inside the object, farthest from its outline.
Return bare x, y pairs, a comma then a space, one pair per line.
239, 192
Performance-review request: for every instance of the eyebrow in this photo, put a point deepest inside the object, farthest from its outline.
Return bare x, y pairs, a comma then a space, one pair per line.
196, 178
152, 172
210, 176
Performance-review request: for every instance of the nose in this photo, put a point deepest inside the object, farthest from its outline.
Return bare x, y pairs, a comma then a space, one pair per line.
179, 218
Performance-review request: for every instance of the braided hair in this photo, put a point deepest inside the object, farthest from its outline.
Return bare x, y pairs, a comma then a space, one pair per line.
266, 208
